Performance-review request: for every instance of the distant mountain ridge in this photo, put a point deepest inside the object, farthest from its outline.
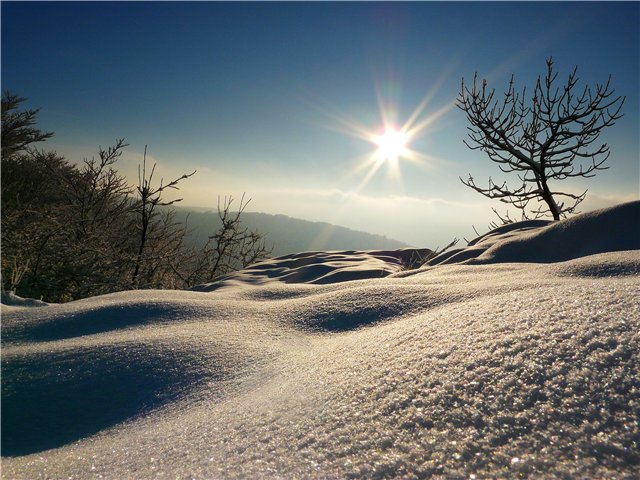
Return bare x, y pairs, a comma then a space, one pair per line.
287, 234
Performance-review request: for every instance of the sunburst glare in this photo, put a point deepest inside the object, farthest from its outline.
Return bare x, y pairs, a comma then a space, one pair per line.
392, 144
391, 140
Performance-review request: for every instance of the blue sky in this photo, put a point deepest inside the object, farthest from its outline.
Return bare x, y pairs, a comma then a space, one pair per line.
264, 97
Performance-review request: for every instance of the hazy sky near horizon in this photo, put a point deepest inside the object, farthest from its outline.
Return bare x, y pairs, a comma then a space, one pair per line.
268, 98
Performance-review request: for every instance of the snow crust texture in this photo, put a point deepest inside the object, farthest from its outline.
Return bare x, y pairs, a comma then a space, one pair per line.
497, 370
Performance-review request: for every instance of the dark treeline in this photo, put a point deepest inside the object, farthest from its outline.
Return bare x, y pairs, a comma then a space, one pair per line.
73, 231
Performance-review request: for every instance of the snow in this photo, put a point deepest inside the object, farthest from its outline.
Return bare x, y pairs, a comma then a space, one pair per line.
499, 366
10, 302
323, 267
612, 229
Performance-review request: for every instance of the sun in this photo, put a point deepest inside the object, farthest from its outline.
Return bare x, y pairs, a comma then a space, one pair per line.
392, 144
392, 141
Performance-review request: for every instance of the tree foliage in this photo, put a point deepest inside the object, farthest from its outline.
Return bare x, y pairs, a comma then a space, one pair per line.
552, 137
72, 231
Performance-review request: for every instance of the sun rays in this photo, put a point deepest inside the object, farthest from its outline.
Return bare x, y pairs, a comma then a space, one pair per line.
393, 145
392, 141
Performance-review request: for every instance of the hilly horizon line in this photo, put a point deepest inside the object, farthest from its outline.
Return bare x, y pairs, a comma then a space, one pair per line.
367, 240
255, 212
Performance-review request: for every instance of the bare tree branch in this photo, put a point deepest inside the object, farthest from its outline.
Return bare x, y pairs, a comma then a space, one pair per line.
550, 138
149, 198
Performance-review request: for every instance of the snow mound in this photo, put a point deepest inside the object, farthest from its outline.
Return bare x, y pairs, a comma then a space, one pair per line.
612, 229
323, 267
499, 369
10, 301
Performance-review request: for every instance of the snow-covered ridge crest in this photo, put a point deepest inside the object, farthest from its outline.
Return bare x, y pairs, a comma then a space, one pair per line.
607, 230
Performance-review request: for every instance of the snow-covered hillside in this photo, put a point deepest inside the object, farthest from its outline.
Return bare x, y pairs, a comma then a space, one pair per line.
516, 356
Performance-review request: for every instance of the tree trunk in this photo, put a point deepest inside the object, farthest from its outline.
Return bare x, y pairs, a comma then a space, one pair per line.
143, 239
548, 198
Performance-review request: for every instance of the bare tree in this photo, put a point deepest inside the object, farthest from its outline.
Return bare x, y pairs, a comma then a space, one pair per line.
66, 228
82, 242
551, 138
233, 247
29, 195
96, 191
99, 213
149, 198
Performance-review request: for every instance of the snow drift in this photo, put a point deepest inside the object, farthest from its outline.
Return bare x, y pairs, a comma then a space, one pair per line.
323, 267
517, 358
612, 229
